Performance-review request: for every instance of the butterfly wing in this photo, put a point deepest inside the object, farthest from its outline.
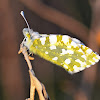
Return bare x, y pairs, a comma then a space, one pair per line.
64, 51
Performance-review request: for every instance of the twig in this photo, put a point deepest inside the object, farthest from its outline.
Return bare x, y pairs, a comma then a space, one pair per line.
38, 85
45, 93
24, 52
32, 88
35, 83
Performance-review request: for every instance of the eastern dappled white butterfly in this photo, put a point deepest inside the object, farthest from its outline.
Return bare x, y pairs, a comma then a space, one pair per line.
63, 50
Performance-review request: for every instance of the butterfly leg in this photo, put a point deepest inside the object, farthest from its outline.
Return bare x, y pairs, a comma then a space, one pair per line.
30, 58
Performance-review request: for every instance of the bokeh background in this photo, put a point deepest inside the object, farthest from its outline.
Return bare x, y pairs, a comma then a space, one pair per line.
77, 18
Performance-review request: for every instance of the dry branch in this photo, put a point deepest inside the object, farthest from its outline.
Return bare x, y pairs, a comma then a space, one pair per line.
35, 83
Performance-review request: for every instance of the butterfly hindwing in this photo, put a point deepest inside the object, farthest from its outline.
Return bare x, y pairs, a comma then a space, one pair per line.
63, 51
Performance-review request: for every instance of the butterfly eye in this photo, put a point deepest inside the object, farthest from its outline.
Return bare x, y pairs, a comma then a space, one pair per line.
25, 39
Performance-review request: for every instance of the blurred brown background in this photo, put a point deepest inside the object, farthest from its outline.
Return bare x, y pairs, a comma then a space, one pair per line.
77, 18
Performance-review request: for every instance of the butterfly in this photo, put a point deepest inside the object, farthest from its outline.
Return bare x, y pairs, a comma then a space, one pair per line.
62, 50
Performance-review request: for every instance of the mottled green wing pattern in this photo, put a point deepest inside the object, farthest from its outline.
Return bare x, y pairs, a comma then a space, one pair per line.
63, 51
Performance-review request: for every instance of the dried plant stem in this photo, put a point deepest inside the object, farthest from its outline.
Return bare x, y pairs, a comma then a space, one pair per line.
35, 83
38, 85
24, 52
32, 89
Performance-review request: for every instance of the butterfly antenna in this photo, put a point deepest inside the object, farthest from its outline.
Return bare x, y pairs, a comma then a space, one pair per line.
22, 13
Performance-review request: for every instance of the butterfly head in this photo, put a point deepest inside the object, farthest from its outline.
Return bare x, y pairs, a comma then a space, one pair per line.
26, 33
29, 33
